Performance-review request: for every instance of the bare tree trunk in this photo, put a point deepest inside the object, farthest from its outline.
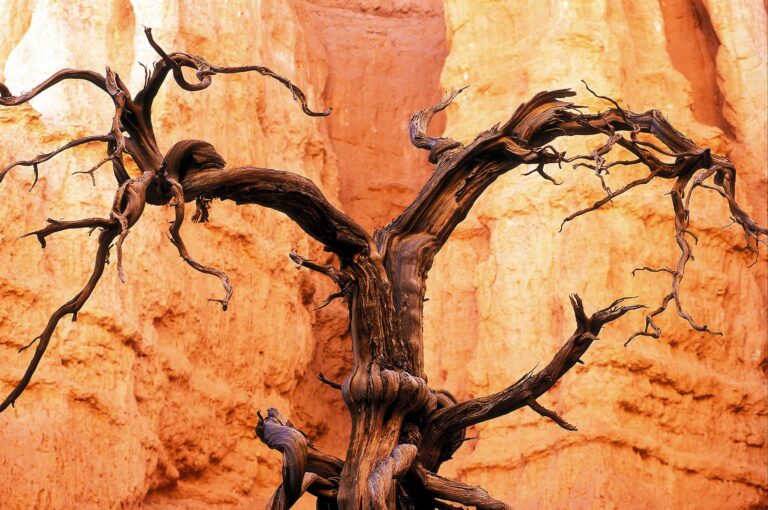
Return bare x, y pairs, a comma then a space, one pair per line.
402, 429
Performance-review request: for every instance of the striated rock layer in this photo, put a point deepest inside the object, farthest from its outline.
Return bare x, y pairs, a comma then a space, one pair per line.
150, 398
678, 423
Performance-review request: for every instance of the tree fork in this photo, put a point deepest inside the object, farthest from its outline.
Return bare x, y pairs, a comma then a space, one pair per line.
402, 429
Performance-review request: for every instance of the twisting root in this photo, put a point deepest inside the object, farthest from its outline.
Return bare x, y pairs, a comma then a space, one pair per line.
305, 468
175, 237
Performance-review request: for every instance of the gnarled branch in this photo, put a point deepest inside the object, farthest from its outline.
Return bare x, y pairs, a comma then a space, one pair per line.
71, 307
457, 492
417, 129
289, 193
529, 387
8, 99
174, 63
410, 242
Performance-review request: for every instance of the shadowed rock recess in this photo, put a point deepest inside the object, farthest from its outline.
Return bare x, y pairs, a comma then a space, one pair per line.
341, 371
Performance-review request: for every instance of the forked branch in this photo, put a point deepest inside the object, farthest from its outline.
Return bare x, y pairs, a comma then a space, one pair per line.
160, 180
463, 173
42, 158
71, 307
528, 388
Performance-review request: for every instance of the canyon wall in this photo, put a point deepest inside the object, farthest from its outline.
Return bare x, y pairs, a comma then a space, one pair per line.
150, 398
675, 423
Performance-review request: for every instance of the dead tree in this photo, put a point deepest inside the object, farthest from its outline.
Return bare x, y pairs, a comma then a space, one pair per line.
402, 429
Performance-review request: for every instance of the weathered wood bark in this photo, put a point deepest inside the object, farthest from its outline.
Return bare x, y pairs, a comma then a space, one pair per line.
402, 429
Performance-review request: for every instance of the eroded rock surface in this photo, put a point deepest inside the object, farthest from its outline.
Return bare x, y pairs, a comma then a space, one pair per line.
150, 398
679, 423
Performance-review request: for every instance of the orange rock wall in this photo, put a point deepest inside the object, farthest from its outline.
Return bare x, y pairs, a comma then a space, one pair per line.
150, 398
678, 423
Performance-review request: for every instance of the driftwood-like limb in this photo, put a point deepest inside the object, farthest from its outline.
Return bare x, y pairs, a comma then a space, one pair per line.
457, 492
526, 389
291, 194
71, 307
61, 225
178, 242
8, 99
548, 413
417, 128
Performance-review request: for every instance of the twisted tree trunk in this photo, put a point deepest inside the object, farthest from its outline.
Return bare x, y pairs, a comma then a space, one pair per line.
402, 429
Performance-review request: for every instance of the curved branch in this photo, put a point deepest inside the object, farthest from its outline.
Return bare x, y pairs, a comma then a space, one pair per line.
289, 193
61, 225
117, 143
128, 206
71, 307
8, 99
410, 242
527, 388
457, 492
417, 129
279, 434
178, 242
174, 63
333, 384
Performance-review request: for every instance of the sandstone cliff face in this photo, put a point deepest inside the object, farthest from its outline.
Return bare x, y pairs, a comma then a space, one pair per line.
679, 423
151, 397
